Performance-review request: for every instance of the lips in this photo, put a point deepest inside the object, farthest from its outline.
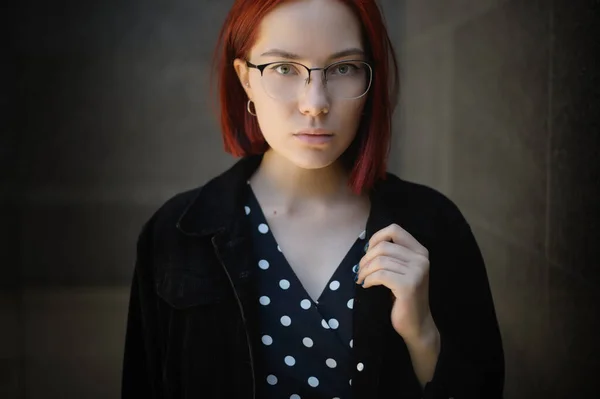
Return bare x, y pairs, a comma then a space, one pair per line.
314, 132
314, 136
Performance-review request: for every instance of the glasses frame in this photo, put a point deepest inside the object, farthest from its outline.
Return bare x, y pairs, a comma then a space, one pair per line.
262, 67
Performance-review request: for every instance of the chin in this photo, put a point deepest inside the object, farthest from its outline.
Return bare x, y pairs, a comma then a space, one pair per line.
316, 160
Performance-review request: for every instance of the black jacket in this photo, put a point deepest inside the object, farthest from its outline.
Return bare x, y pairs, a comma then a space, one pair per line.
192, 307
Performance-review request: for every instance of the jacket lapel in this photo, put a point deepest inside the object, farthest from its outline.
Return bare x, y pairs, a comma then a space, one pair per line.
371, 319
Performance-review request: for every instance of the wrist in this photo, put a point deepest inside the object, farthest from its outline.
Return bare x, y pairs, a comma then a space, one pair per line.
428, 338
424, 349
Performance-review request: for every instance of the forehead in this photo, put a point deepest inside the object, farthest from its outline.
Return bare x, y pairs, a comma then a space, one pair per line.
312, 29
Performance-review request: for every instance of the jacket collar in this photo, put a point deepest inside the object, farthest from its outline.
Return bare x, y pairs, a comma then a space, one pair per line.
219, 201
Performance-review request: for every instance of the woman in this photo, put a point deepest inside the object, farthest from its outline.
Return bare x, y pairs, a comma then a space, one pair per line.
306, 270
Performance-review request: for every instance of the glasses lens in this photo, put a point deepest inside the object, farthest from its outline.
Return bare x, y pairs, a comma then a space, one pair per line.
346, 79
283, 81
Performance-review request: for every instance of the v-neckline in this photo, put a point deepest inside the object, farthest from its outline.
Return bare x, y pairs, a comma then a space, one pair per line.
337, 270
272, 237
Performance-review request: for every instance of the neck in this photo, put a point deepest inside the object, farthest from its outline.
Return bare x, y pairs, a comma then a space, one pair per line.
294, 189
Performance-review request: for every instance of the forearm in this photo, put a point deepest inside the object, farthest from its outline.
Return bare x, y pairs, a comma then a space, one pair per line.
424, 352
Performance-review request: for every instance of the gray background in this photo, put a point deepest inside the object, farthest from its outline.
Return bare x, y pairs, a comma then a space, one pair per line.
108, 114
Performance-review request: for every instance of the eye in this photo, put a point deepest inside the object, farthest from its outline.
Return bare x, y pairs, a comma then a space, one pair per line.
344, 69
284, 69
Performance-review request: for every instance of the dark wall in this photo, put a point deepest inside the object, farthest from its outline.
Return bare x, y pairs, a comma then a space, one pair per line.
114, 115
574, 205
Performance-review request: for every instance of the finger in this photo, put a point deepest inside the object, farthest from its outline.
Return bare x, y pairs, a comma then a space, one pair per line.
382, 263
388, 278
387, 248
398, 235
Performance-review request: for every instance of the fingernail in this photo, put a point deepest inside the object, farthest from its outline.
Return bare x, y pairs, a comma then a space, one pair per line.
366, 247
355, 278
355, 268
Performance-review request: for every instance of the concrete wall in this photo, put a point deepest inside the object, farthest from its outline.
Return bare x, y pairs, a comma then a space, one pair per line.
108, 115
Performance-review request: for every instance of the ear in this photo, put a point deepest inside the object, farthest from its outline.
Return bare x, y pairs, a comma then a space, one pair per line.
243, 74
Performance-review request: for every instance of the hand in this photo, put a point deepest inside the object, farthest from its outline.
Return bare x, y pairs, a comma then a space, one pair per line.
398, 261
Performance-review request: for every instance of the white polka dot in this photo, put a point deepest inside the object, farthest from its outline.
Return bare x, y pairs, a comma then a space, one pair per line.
350, 381
267, 340
331, 363
363, 235
307, 342
360, 367
263, 228
284, 284
290, 361
313, 382
279, 249
351, 342
294, 396
305, 304
271, 379
247, 209
350, 303
333, 323
334, 285
265, 300
263, 264
286, 321
325, 325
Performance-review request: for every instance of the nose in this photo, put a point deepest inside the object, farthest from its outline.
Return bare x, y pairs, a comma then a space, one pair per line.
314, 99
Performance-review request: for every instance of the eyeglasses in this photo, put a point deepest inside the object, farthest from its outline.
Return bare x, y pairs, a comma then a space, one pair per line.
285, 80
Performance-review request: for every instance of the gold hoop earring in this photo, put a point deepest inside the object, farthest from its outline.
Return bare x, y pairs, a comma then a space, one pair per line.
248, 108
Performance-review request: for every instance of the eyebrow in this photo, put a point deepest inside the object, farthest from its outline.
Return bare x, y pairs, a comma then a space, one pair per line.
292, 56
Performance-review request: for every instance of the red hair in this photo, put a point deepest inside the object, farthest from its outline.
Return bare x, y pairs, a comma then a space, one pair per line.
366, 157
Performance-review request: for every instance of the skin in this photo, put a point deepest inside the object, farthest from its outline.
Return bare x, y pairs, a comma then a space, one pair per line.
310, 180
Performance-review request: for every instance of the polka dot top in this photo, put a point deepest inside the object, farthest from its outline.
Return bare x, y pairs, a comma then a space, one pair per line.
305, 346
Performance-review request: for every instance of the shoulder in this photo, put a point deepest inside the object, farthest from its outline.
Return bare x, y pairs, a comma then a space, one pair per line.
423, 207
168, 213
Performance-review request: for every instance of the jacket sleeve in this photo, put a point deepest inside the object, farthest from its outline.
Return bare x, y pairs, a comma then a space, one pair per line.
141, 377
471, 360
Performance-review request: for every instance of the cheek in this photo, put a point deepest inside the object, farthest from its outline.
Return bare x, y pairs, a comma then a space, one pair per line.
351, 114
273, 116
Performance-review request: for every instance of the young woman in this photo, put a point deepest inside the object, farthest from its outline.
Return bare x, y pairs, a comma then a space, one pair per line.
307, 270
